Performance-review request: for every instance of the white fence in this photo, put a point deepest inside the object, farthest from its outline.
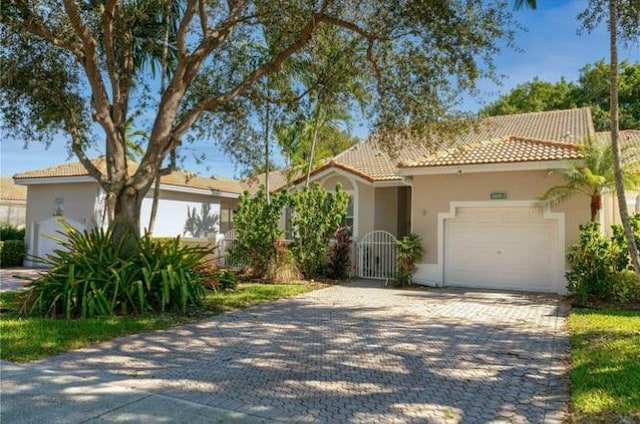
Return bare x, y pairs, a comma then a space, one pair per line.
376, 255
224, 246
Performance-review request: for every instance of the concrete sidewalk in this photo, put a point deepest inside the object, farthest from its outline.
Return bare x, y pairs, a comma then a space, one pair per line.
14, 279
31, 395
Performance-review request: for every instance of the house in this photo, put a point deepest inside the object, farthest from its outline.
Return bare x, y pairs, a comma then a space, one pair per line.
68, 191
13, 203
474, 202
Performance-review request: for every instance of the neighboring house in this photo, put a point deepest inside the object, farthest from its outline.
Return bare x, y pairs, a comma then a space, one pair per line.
630, 144
474, 202
68, 191
13, 203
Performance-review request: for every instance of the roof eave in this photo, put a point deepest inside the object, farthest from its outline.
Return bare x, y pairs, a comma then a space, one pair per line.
484, 167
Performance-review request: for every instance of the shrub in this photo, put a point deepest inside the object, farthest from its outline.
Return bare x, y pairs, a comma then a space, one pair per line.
340, 255
408, 251
623, 287
600, 267
92, 276
256, 228
315, 216
592, 260
7, 232
227, 280
283, 267
12, 253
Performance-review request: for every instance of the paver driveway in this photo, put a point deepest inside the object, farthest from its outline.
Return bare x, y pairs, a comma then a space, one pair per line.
356, 353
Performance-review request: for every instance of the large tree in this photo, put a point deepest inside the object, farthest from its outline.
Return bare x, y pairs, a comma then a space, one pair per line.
623, 21
81, 67
591, 89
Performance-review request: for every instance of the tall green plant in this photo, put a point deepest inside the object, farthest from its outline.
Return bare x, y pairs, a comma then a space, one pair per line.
408, 251
592, 176
315, 216
256, 227
92, 276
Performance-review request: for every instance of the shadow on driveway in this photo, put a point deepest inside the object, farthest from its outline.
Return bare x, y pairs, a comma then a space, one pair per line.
353, 353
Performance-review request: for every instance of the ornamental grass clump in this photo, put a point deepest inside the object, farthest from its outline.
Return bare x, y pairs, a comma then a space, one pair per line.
90, 276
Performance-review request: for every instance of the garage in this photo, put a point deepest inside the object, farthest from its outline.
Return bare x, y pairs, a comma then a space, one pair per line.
514, 248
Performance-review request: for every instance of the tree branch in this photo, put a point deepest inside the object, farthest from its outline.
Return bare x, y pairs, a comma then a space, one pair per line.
204, 25
35, 25
107, 24
183, 29
99, 98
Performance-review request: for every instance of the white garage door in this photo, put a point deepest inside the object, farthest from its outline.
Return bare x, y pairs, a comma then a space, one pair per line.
502, 248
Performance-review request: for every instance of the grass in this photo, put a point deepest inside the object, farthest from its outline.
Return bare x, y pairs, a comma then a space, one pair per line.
605, 355
25, 338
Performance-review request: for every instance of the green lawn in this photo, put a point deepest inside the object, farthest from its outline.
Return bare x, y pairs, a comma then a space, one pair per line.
605, 355
28, 338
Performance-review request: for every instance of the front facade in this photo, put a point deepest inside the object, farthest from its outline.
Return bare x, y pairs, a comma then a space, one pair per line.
475, 204
67, 193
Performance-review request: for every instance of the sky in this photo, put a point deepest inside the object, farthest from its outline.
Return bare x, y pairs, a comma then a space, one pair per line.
550, 49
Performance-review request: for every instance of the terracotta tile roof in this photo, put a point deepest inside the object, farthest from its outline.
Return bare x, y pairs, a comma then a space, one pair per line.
277, 180
567, 126
176, 178
10, 191
629, 142
626, 136
503, 150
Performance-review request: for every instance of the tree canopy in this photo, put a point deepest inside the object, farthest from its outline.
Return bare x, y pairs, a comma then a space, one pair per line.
591, 89
81, 68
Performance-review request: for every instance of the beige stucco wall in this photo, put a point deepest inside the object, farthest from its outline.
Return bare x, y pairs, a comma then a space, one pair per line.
331, 182
610, 213
432, 195
365, 209
13, 212
386, 209
79, 201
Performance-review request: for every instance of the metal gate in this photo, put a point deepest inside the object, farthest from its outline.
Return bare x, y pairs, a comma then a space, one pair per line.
377, 255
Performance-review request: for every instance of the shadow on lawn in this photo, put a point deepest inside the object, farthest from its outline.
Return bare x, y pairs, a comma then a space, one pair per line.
348, 355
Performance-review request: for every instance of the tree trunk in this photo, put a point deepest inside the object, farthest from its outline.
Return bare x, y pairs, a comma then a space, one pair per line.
596, 204
615, 133
127, 215
154, 205
313, 145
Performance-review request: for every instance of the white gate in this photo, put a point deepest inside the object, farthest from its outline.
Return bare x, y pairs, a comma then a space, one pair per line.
377, 255
224, 246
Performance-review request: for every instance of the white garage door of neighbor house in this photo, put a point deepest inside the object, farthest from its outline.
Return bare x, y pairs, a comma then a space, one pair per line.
502, 248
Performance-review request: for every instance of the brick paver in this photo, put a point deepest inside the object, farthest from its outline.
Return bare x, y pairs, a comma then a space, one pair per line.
356, 353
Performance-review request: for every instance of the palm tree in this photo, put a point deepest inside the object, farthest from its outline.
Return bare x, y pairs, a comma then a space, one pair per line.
619, 173
592, 177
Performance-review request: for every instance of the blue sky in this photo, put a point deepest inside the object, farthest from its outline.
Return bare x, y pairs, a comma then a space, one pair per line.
551, 49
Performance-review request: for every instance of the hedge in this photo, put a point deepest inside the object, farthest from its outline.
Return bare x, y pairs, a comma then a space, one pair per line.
12, 253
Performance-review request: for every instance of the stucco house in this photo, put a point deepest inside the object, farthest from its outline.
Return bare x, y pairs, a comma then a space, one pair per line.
68, 191
13, 203
474, 202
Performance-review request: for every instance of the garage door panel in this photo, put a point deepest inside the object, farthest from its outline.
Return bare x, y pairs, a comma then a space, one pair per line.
506, 247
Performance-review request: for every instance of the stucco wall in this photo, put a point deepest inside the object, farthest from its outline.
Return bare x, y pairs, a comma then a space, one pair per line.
365, 209
172, 211
432, 195
331, 182
78, 203
13, 212
386, 209
610, 213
